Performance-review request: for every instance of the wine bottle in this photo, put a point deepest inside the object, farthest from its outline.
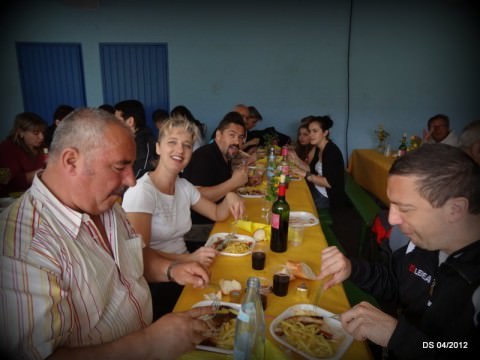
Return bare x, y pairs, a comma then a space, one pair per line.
250, 325
280, 217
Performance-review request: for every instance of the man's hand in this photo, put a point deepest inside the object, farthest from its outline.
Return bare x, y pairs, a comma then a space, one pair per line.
240, 176
334, 264
365, 321
189, 273
427, 134
177, 333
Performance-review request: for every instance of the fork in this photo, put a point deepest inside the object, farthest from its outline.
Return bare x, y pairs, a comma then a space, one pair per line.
215, 307
317, 296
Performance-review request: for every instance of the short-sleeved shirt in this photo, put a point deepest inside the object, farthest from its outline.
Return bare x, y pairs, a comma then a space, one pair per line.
207, 168
60, 284
170, 213
451, 139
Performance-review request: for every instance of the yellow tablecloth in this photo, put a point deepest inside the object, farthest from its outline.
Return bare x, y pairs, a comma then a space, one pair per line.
369, 168
239, 268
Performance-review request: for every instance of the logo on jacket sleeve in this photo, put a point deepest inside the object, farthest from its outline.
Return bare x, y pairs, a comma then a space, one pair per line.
420, 273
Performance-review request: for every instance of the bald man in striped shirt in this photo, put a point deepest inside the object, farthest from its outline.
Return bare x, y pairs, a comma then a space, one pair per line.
73, 274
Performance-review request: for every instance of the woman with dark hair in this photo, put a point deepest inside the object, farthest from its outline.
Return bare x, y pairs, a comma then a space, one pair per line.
327, 174
21, 153
304, 150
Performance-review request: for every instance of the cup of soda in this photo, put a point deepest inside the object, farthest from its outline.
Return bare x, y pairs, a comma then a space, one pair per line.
281, 279
295, 234
258, 256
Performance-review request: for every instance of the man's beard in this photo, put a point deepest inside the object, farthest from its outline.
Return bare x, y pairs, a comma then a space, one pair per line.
230, 155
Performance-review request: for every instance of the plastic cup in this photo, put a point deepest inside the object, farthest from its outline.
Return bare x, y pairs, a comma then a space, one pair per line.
258, 257
255, 177
281, 279
295, 235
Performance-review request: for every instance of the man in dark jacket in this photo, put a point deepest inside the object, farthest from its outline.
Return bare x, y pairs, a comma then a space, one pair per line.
133, 113
435, 280
210, 169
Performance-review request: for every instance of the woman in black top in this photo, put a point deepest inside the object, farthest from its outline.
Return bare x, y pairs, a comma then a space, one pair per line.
325, 173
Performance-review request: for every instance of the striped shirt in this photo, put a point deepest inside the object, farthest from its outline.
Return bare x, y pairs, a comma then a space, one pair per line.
60, 284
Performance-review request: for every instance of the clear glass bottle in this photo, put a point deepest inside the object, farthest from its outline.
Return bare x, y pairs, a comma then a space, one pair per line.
250, 325
279, 220
271, 163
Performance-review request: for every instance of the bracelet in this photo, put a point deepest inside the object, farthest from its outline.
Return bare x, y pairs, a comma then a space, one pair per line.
169, 271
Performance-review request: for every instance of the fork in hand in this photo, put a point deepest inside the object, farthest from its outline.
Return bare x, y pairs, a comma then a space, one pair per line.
215, 307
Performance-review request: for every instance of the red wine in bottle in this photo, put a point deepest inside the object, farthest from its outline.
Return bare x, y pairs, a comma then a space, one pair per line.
279, 222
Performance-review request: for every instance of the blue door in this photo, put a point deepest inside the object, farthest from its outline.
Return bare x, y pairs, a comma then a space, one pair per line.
135, 71
51, 74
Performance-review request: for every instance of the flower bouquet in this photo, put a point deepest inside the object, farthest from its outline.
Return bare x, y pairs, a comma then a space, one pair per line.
381, 135
415, 142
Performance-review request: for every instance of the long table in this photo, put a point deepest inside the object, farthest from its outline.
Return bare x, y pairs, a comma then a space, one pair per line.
239, 268
369, 168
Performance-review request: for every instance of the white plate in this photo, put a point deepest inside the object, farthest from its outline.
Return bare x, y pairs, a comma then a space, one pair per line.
212, 348
334, 324
305, 218
242, 238
249, 196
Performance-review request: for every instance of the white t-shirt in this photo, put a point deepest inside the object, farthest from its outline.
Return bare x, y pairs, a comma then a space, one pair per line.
319, 169
451, 139
170, 213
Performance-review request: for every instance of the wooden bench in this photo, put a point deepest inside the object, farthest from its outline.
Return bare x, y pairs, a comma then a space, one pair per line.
366, 207
354, 294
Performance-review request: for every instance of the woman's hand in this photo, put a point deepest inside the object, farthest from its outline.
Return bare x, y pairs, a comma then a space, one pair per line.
204, 255
299, 172
235, 204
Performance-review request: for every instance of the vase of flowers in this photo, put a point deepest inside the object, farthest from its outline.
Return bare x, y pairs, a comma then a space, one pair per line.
381, 135
415, 142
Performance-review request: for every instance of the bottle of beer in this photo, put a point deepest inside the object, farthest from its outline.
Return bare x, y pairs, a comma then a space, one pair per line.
280, 217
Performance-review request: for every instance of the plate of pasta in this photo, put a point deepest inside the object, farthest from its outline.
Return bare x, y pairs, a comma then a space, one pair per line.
221, 326
231, 245
311, 332
250, 192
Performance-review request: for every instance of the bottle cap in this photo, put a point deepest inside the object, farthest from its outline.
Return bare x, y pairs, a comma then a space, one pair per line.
302, 291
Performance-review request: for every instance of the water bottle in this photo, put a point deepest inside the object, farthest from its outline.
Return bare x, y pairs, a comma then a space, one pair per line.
271, 163
250, 325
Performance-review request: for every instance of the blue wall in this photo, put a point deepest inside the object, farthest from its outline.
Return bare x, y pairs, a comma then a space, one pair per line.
408, 59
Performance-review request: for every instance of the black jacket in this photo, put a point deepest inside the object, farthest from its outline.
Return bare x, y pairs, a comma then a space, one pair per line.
146, 154
439, 305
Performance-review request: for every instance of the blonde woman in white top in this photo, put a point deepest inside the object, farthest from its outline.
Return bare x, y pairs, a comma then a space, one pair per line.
159, 205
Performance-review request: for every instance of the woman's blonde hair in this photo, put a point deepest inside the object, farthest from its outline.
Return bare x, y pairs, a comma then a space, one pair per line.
26, 121
181, 122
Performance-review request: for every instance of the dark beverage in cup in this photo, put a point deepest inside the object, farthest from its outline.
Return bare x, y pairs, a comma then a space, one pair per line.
258, 260
263, 298
280, 284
